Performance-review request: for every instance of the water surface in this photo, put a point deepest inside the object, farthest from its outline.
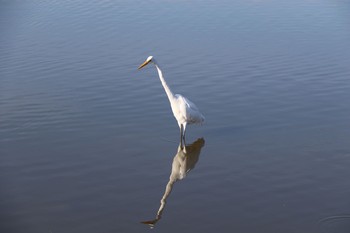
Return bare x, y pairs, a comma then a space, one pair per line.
88, 143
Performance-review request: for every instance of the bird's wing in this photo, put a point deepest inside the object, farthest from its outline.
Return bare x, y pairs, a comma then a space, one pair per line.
189, 110
187, 102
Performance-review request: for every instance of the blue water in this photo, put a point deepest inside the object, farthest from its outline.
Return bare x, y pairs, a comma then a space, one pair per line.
88, 142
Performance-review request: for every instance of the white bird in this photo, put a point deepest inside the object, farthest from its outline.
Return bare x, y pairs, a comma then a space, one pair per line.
185, 112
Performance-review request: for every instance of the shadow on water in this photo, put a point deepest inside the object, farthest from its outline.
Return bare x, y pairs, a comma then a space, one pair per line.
184, 161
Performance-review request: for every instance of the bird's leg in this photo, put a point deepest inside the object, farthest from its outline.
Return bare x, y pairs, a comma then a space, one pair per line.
184, 132
181, 128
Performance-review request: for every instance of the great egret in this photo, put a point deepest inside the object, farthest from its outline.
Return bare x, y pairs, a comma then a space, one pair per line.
185, 112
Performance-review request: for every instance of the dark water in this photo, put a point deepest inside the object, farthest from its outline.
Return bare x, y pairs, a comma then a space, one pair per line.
88, 142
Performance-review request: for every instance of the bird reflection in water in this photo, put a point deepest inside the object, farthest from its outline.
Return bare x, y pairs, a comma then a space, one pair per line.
183, 162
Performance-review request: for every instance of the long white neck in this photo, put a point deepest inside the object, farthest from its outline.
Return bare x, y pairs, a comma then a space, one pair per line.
168, 92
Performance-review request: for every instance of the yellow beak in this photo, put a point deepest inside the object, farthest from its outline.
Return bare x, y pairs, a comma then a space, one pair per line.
144, 64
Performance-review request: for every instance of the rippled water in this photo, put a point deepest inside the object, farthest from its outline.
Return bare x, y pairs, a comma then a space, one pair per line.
88, 142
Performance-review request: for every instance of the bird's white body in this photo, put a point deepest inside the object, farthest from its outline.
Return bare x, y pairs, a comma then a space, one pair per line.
185, 112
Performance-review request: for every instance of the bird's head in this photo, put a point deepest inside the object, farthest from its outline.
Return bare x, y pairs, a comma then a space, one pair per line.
148, 60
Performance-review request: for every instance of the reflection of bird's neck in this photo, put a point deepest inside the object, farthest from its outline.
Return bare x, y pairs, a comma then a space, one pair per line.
168, 92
